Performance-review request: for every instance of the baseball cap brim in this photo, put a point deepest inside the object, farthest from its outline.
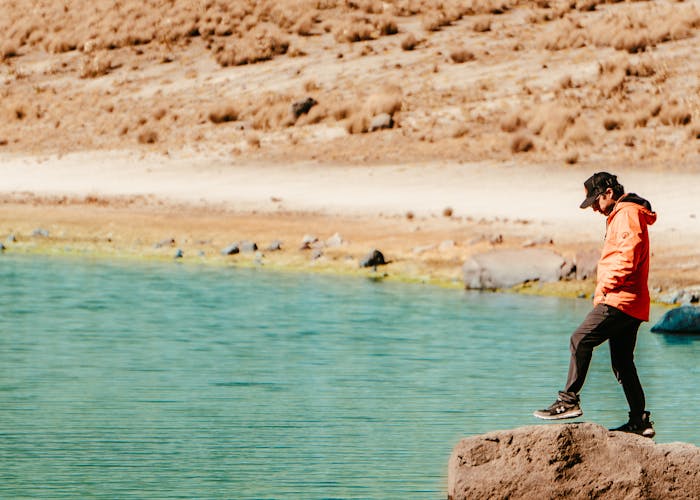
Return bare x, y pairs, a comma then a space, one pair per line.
588, 201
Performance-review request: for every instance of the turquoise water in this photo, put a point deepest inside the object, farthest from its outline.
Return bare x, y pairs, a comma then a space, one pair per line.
163, 380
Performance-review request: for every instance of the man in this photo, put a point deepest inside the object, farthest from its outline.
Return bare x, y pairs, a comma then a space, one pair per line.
620, 303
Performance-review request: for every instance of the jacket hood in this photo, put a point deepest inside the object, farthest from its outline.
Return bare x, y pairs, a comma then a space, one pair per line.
636, 201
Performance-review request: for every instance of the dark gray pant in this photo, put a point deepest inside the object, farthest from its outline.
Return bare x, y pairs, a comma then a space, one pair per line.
607, 323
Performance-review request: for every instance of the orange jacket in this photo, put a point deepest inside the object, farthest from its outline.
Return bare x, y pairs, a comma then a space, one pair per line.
623, 268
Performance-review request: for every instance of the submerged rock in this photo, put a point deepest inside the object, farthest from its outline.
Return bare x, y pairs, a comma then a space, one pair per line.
507, 268
580, 461
684, 319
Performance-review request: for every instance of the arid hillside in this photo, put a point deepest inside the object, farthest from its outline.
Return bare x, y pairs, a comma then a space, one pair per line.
355, 81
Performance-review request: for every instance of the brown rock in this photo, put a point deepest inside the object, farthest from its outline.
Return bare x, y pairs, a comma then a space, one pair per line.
573, 461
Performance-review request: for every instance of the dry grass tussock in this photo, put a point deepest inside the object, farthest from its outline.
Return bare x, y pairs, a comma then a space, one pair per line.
632, 30
241, 32
114, 84
387, 102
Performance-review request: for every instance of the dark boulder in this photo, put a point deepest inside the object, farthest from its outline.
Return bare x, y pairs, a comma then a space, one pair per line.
684, 319
373, 259
303, 106
232, 249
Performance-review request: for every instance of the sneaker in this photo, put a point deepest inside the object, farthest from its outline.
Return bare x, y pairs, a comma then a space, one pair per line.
566, 406
639, 425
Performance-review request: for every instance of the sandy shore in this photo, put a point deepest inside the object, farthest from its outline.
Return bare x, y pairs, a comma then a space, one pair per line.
126, 205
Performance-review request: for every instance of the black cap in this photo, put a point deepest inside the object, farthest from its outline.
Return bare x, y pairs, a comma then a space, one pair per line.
596, 185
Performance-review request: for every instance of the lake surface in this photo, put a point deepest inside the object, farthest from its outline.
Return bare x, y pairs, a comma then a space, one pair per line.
163, 380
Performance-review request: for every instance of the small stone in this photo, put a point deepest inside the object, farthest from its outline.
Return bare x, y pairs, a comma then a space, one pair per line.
308, 241
248, 246
316, 254
11, 239
232, 249
165, 243
275, 246
335, 241
39, 232
381, 121
2, 247
179, 254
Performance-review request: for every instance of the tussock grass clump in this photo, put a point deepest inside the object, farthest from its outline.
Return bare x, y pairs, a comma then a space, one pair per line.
512, 122
551, 122
8, 49
482, 25
522, 143
387, 102
462, 55
95, 65
613, 123
225, 114
148, 137
363, 28
434, 21
579, 133
409, 42
261, 44
387, 26
632, 29
675, 114
564, 34
357, 30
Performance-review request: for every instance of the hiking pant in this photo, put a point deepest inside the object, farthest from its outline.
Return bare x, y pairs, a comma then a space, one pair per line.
607, 323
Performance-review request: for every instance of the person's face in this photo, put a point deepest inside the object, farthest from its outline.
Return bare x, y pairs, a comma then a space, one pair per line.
604, 203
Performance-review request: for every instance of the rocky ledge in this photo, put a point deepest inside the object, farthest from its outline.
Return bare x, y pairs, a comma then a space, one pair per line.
580, 460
